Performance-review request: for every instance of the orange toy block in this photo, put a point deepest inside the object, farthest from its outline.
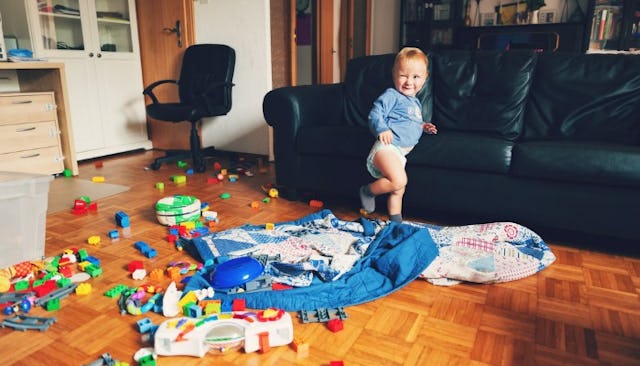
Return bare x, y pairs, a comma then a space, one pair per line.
264, 342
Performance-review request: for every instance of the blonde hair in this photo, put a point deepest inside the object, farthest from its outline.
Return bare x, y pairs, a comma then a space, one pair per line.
410, 53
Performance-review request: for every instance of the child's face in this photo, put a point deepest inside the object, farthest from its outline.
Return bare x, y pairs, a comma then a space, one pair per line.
409, 77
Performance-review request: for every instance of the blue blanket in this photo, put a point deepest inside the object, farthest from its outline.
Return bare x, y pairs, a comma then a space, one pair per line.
334, 263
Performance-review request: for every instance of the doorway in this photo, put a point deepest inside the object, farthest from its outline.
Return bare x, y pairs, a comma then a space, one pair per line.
327, 34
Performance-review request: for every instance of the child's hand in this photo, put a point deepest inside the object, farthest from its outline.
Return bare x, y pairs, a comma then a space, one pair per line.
386, 137
429, 127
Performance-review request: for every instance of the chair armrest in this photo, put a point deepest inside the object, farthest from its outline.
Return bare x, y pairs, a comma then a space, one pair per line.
149, 89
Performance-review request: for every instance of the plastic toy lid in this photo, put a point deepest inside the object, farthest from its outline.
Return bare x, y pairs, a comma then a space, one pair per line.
236, 272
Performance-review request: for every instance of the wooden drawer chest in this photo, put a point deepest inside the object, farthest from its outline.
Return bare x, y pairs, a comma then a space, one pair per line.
29, 133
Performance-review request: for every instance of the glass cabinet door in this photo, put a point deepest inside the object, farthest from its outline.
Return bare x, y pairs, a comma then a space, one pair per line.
114, 25
60, 25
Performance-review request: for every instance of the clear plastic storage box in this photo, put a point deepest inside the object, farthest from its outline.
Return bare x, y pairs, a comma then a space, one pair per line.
23, 216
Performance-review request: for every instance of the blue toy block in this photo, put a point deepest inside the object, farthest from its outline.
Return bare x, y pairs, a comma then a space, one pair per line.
93, 260
122, 219
194, 311
144, 325
145, 249
114, 234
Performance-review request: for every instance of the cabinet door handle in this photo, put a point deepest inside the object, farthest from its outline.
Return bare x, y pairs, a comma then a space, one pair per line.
26, 129
90, 54
30, 156
22, 102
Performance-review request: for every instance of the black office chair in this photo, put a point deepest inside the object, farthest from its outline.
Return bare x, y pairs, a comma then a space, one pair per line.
205, 91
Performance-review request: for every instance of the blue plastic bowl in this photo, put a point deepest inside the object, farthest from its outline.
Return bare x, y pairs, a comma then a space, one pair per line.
236, 272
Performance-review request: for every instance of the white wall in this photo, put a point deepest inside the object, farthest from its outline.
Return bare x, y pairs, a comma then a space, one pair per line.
245, 26
385, 26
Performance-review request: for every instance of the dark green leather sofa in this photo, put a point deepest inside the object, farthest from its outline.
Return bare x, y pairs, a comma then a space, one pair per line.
547, 140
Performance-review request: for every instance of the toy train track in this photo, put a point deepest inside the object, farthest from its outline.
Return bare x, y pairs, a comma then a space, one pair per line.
23, 322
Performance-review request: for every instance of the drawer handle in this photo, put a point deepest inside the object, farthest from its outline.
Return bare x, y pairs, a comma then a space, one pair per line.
30, 156
22, 102
26, 129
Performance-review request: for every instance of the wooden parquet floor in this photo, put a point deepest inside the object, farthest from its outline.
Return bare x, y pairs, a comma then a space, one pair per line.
583, 310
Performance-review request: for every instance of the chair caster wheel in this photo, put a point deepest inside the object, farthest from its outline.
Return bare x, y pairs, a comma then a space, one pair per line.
155, 166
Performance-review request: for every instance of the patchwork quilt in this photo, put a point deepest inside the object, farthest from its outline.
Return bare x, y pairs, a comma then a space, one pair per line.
333, 263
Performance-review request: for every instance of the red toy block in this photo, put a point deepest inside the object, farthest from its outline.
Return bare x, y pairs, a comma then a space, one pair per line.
239, 305
335, 325
45, 288
134, 265
336, 363
316, 203
280, 286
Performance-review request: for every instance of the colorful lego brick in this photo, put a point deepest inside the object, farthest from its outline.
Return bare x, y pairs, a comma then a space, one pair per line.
114, 234
133, 265
144, 325
301, 348
94, 240
115, 291
83, 289
264, 342
122, 219
97, 179
269, 226
156, 275
93, 270
211, 306
82, 254
239, 305
21, 285
335, 325
53, 304
145, 249
189, 297
193, 311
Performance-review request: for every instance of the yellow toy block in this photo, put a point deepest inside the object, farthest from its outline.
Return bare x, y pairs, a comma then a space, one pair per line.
83, 289
93, 240
97, 179
269, 226
189, 297
83, 265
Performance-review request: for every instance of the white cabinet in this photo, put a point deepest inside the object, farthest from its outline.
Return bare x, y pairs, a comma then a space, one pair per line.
97, 41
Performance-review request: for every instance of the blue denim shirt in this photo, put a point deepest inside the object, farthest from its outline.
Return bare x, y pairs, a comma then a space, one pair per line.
399, 113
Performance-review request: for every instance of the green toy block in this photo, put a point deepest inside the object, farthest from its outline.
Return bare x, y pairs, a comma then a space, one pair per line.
63, 282
83, 254
53, 304
115, 291
93, 271
21, 285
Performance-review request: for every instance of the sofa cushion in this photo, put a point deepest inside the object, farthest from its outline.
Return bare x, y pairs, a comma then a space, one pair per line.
366, 78
608, 164
481, 91
585, 97
335, 141
466, 151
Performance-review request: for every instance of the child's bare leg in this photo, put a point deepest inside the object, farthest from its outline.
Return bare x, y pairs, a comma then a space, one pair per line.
393, 182
394, 176
394, 203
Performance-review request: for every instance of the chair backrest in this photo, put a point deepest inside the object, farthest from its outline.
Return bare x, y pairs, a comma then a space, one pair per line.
206, 77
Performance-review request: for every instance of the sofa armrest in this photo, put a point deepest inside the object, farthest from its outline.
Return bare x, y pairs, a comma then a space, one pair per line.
294, 106
288, 109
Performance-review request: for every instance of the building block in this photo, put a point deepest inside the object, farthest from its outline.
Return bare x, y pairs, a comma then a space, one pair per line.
238, 305
336, 363
114, 234
301, 347
335, 325
145, 249
264, 342
115, 291
122, 219
133, 265
94, 240
83, 289
93, 270
53, 304
144, 325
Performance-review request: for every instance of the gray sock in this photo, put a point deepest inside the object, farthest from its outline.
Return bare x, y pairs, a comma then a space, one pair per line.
396, 218
367, 199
